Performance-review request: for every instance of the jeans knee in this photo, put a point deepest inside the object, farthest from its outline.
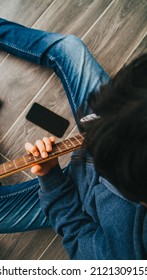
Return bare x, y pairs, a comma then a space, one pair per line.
73, 39
73, 42
65, 50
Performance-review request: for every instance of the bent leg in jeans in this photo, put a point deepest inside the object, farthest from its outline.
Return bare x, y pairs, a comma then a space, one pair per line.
80, 75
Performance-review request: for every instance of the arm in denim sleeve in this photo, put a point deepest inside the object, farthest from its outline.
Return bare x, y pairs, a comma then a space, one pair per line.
60, 202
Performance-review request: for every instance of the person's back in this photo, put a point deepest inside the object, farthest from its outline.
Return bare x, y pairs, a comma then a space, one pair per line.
117, 226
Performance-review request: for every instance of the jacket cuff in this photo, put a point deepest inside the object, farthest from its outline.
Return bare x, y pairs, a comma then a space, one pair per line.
53, 179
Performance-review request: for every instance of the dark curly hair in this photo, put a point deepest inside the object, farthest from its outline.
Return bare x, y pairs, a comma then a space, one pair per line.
118, 140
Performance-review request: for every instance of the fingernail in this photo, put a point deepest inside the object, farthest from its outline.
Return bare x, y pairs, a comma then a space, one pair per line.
44, 155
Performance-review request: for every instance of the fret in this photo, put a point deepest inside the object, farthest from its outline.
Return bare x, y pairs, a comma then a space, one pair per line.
61, 147
73, 144
79, 138
20, 162
51, 154
58, 149
58, 146
67, 144
15, 163
24, 160
29, 159
2, 169
75, 141
9, 166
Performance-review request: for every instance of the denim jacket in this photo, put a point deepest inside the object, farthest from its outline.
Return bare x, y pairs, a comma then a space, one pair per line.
95, 220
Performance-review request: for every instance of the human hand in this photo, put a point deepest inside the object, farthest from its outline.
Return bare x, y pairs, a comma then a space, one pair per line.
42, 147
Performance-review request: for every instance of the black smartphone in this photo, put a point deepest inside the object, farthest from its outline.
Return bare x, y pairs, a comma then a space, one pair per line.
47, 119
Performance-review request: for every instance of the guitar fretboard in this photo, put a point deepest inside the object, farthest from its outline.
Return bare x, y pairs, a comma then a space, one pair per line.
26, 161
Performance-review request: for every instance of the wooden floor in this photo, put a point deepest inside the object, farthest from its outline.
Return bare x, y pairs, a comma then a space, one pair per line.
115, 32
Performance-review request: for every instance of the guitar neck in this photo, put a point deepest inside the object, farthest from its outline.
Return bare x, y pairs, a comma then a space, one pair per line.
59, 149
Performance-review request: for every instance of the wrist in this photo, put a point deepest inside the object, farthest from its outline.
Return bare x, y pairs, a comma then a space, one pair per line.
54, 178
48, 167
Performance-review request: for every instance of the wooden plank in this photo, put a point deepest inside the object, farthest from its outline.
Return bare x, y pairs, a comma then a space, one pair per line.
26, 245
24, 12
141, 49
112, 38
18, 88
2, 236
72, 16
55, 251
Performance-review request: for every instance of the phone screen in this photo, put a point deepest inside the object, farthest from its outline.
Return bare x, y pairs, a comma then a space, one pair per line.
47, 119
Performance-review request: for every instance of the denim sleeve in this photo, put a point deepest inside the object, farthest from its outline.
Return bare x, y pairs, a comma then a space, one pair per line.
61, 204
115, 234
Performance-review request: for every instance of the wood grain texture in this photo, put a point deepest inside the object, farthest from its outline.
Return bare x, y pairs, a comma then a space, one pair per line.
111, 43
2, 236
24, 12
140, 50
73, 16
26, 245
18, 89
55, 251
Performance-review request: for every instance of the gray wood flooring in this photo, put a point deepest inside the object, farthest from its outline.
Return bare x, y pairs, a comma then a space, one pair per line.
115, 32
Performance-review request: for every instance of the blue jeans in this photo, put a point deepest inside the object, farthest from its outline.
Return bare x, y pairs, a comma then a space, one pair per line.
80, 75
